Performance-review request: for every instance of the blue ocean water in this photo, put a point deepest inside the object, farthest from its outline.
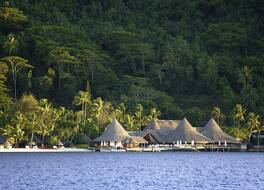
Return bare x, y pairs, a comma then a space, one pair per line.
135, 171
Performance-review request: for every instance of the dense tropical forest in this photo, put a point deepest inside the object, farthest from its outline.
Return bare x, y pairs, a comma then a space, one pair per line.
68, 67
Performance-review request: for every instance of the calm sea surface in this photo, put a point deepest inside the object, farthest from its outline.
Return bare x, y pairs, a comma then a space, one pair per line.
172, 170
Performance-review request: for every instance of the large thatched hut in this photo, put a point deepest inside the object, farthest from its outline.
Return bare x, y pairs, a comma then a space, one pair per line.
185, 133
216, 134
113, 136
159, 129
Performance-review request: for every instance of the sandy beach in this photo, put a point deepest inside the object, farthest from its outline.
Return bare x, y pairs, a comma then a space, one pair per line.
45, 150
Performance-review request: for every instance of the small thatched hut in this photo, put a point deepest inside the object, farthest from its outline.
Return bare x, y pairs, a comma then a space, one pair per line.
216, 134
185, 133
59, 144
113, 136
32, 144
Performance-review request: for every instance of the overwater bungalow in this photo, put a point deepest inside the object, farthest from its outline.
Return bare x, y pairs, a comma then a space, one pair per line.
113, 136
216, 134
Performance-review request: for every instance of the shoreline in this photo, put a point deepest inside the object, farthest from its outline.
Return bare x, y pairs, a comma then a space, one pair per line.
82, 150
27, 150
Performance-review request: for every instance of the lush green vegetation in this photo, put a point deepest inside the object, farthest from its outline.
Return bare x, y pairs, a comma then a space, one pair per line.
129, 59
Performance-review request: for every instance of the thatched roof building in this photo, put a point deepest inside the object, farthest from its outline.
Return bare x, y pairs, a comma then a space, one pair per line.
185, 133
113, 132
157, 124
159, 129
59, 143
137, 133
135, 140
215, 133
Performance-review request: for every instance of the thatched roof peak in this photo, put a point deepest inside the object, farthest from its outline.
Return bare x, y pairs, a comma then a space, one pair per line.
113, 132
185, 132
159, 124
152, 125
214, 132
59, 143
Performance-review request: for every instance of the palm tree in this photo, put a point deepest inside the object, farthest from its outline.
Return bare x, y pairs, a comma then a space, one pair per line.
238, 114
97, 109
119, 112
19, 127
253, 123
44, 125
245, 76
217, 114
154, 113
129, 122
83, 98
33, 121
15, 64
10, 44
139, 117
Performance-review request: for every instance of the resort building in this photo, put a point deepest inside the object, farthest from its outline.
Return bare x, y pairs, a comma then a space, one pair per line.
186, 134
159, 129
175, 132
116, 136
181, 132
161, 133
113, 136
143, 134
216, 134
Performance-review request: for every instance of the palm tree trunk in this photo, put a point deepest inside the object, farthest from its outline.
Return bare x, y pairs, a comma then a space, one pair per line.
32, 135
42, 140
250, 132
258, 137
14, 79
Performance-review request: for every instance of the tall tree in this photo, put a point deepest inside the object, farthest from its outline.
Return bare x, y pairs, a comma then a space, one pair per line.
217, 114
10, 44
252, 123
5, 99
97, 109
83, 98
61, 58
239, 114
15, 64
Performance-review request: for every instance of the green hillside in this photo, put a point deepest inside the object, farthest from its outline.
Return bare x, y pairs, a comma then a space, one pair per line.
181, 57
